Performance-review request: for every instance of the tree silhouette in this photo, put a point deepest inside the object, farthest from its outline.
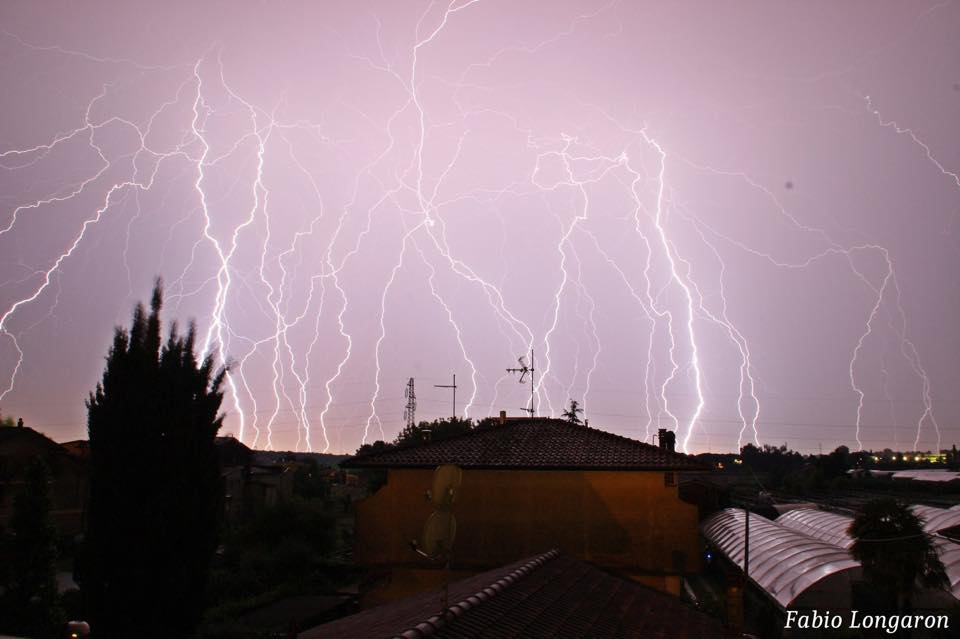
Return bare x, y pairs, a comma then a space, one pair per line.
30, 604
896, 554
155, 486
572, 414
439, 429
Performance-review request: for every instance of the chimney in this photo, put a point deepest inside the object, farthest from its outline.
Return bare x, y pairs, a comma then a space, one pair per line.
425, 435
20, 422
503, 417
667, 439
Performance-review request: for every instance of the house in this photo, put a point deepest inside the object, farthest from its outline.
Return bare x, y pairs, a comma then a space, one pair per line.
546, 596
78, 448
19, 446
268, 484
528, 485
249, 486
708, 493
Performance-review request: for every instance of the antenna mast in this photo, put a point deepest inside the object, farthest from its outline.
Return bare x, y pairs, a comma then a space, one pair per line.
409, 412
454, 387
523, 370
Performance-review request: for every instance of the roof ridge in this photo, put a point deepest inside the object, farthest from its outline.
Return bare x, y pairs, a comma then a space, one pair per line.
393, 447
433, 624
29, 431
511, 422
530, 443
624, 438
479, 427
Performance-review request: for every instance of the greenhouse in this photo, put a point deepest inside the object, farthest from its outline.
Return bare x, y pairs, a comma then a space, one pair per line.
832, 528
819, 524
937, 519
794, 568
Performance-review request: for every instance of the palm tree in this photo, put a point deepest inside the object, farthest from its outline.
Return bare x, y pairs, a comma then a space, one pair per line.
896, 554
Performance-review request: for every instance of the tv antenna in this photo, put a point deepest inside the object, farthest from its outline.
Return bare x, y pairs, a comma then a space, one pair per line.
523, 370
436, 541
454, 387
409, 412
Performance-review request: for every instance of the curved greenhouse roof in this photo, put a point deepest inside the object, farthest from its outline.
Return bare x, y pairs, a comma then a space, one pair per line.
950, 556
832, 528
783, 562
937, 519
819, 524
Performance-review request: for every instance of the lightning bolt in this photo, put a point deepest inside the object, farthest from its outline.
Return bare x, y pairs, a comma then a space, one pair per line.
291, 326
890, 124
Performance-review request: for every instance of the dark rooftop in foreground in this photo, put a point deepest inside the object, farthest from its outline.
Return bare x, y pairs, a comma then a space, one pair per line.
20, 445
531, 443
550, 595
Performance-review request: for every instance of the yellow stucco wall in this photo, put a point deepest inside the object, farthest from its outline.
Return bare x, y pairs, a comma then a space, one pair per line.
626, 521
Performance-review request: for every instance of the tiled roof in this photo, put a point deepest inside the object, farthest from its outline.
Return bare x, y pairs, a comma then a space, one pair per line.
20, 446
550, 595
526, 443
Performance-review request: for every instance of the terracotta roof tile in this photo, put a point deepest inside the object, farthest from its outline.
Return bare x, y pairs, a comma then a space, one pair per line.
550, 595
531, 444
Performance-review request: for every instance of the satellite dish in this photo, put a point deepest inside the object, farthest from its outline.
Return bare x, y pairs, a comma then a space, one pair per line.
438, 535
440, 529
446, 484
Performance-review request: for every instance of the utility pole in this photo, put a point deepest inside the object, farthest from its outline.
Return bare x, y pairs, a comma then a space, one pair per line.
454, 387
523, 370
409, 412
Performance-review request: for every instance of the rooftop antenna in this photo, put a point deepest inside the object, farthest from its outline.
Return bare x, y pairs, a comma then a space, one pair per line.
409, 412
436, 541
523, 370
454, 387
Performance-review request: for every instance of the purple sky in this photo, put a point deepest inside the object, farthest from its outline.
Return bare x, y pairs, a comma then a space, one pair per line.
740, 222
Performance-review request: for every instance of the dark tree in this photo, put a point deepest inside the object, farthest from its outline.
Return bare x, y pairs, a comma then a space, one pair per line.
896, 554
837, 463
155, 490
572, 414
436, 430
378, 446
29, 604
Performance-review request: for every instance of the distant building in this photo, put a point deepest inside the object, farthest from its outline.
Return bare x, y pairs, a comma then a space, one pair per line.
234, 458
78, 448
268, 484
19, 446
249, 487
546, 596
532, 484
707, 492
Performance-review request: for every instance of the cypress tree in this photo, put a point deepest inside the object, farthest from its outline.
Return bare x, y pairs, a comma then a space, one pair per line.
155, 490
